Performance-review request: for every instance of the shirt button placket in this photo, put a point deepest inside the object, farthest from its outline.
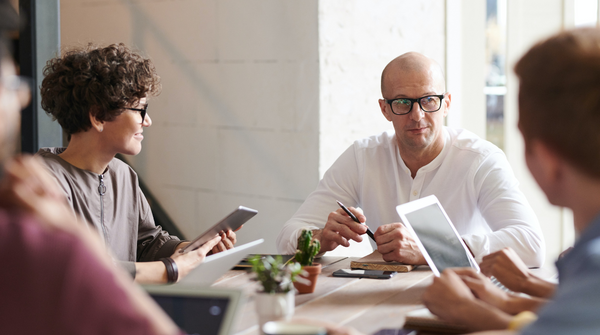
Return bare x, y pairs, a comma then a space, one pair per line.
416, 186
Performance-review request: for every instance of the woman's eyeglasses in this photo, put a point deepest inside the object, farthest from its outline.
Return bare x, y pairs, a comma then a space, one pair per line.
141, 110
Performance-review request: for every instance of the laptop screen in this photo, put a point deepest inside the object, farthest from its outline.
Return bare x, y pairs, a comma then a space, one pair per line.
438, 237
195, 315
199, 310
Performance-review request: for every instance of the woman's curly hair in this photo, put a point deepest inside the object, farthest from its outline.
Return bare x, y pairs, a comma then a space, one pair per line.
101, 81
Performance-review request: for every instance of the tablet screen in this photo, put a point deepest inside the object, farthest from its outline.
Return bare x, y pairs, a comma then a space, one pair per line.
232, 221
438, 237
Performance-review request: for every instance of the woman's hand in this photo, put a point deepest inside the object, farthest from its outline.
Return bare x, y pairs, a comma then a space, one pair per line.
228, 240
188, 261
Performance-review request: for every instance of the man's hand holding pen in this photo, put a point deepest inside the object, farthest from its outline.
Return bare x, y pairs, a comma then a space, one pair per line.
341, 228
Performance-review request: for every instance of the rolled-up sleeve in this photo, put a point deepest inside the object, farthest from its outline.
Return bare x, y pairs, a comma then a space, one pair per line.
507, 212
153, 242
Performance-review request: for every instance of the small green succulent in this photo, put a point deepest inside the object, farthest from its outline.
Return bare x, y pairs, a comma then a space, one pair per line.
274, 275
307, 248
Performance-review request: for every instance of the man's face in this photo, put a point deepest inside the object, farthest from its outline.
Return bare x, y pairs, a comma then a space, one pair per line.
416, 131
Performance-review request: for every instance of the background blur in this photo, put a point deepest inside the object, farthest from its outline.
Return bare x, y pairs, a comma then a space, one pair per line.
261, 96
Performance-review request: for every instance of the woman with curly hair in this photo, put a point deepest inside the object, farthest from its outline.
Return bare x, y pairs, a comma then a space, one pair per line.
100, 98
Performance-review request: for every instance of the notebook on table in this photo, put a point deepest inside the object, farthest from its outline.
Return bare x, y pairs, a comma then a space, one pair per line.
374, 261
215, 266
199, 310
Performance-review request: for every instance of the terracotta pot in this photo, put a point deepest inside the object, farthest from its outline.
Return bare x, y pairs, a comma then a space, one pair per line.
313, 274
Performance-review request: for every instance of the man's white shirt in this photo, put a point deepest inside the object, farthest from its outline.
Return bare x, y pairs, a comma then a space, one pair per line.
471, 178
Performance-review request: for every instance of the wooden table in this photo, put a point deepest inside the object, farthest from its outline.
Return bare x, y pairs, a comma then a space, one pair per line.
365, 304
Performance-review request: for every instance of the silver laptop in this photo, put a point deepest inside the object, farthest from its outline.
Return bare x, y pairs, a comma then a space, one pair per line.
438, 240
199, 310
215, 266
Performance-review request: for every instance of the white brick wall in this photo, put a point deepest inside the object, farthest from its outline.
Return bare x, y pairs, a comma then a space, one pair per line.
356, 41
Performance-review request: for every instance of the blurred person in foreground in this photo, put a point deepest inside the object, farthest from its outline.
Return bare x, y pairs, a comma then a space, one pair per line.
99, 96
559, 118
57, 277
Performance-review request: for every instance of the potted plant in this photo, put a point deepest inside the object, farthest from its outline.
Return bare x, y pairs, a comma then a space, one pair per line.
305, 255
276, 300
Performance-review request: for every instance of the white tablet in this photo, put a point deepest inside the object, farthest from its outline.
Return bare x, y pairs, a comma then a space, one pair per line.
214, 266
199, 310
438, 240
232, 221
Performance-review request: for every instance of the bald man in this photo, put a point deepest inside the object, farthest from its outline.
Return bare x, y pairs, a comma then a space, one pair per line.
470, 176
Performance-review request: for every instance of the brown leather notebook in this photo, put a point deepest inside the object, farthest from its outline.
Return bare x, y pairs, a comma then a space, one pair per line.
375, 261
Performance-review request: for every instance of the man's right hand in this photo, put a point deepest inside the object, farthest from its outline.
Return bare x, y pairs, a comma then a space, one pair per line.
340, 229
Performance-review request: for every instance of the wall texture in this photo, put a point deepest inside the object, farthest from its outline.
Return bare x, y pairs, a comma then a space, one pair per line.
356, 41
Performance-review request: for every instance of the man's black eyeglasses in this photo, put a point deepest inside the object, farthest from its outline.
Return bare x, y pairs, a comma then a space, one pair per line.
141, 110
429, 104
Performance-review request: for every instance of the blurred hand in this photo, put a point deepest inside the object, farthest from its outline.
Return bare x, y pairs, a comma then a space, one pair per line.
396, 244
447, 296
188, 261
507, 267
340, 228
28, 186
451, 299
483, 288
510, 270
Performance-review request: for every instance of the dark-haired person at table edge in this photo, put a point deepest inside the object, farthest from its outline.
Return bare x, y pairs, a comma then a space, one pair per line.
559, 118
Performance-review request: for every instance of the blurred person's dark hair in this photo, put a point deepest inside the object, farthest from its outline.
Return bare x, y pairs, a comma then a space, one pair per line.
559, 96
97, 80
9, 19
4, 51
